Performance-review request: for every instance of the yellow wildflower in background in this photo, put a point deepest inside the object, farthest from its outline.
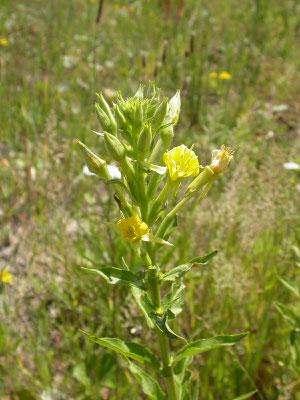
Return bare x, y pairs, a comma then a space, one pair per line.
220, 159
213, 75
225, 75
6, 277
3, 42
181, 162
132, 229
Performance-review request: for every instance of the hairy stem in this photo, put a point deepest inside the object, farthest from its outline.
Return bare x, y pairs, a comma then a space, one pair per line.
164, 341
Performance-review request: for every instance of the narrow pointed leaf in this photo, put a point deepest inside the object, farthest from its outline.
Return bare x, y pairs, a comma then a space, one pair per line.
138, 295
290, 285
152, 238
179, 271
156, 168
246, 396
132, 350
149, 385
208, 344
162, 324
288, 314
116, 275
174, 300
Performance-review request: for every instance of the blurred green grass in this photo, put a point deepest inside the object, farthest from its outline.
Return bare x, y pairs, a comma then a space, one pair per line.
57, 57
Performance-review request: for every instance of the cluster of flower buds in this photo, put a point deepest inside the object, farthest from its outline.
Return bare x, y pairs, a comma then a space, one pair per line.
137, 133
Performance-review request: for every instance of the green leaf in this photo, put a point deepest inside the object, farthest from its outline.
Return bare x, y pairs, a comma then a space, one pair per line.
208, 344
80, 373
290, 285
155, 168
179, 271
139, 297
149, 385
174, 300
162, 324
288, 314
132, 350
204, 260
116, 275
246, 396
152, 238
181, 377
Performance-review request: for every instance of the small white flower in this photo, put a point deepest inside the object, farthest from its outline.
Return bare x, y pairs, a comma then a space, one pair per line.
114, 171
87, 172
291, 165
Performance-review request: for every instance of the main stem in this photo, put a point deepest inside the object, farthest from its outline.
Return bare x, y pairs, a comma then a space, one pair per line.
164, 342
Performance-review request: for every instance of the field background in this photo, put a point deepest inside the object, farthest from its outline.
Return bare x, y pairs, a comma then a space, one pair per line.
56, 57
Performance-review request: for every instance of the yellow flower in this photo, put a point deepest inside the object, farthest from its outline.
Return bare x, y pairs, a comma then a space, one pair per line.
132, 229
181, 162
220, 159
225, 75
3, 42
213, 75
6, 277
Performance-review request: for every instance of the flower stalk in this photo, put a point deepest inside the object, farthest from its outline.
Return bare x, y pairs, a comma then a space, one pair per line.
138, 133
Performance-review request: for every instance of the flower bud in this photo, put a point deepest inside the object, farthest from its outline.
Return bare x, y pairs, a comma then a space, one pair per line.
145, 140
114, 147
106, 108
121, 121
160, 113
140, 93
137, 114
94, 163
104, 120
167, 135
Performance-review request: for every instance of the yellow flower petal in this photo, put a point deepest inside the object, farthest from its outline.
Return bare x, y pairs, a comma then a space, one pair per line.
4, 42
6, 277
132, 229
225, 75
181, 162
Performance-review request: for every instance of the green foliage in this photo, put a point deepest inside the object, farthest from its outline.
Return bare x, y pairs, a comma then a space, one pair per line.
178, 272
116, 275
207, 344
57, 58
132, 350
149, 385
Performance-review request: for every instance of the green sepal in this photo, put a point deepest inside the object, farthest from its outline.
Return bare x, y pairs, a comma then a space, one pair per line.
179, 271
155, 239
115, 275
245, 396
149, 385
155, 168
203, 345
135, 351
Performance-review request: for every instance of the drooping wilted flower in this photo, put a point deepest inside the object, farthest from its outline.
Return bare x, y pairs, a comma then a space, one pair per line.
220, 159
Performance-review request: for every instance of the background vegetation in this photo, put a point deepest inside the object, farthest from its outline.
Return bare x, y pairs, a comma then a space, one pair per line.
53, 58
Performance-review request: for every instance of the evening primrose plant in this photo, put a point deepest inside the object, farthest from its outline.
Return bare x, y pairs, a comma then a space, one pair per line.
137, 133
